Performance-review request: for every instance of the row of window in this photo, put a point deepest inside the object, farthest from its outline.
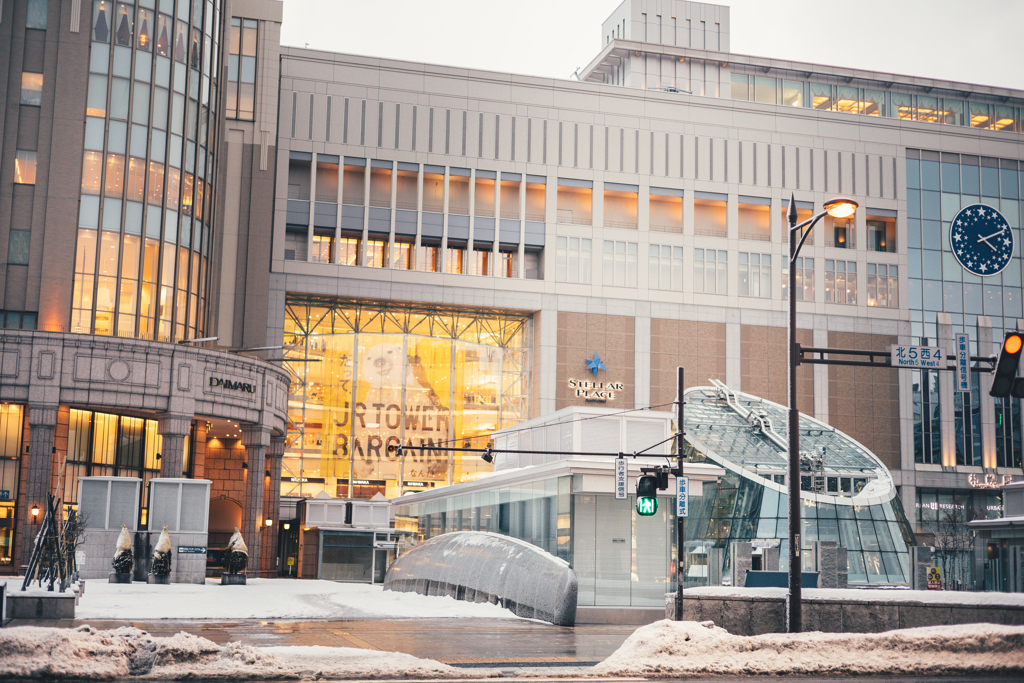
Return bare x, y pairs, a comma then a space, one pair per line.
871, 102
620, 265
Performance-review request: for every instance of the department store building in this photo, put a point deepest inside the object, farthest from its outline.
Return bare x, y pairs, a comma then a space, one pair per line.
445, 252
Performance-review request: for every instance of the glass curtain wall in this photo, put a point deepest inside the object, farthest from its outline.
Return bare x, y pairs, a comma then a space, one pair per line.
938, 186
371, 376
11, 430
147, 200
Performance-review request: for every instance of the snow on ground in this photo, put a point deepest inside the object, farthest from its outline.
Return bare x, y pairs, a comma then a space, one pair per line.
269, 599
86, 653
668, 648
887, 595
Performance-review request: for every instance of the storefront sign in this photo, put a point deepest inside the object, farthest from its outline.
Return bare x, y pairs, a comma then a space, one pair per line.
5, 494
927, 357
599, 392
963, 357
991, 481
417, 484
231, 385
191, 549
620, 478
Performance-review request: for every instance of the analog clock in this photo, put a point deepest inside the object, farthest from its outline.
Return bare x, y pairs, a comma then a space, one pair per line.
981, 240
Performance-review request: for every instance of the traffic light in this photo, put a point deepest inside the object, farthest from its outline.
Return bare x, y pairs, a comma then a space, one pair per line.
1005, 372
647, 495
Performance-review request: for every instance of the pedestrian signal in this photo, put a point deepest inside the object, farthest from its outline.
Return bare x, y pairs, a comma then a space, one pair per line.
647, 495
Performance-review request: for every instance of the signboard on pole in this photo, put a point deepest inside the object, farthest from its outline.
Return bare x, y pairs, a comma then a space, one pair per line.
925, 357
620, 478
963, 357
934, 579
682, 497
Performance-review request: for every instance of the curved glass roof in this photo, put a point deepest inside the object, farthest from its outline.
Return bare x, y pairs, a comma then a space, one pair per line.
745, 432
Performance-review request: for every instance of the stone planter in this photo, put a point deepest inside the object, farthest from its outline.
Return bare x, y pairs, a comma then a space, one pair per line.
227, 579
118, 577
161, 579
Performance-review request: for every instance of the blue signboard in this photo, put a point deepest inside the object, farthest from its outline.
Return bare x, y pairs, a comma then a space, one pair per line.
620, 479
192, 549
682, 497
5, 494
963, 358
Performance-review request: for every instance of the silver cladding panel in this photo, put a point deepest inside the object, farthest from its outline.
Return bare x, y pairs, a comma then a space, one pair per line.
483, 567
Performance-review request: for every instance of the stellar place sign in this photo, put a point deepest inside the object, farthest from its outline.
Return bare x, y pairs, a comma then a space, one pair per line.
598, 392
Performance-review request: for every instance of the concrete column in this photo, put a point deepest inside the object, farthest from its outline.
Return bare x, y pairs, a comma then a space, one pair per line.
272, 507
256, 439
42, 421
946, 412
174, 428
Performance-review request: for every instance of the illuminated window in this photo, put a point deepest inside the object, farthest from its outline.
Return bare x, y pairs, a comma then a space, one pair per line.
375, 252
901, 106
241, 95
840, 282
31, 89
821, 96
24, 167
429, 260
322, 247
981, 115
883, 285
804, 279
402, 255
881, 234
455, 260
348, 251
145, 29
482, 261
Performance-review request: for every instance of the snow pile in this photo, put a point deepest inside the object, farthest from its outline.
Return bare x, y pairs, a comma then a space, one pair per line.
86, 653
668, 648
271, 599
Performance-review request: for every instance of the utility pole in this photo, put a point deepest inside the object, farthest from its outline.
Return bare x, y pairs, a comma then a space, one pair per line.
680, 520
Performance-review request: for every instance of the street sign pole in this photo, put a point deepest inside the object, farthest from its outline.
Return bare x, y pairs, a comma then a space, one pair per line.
680, 520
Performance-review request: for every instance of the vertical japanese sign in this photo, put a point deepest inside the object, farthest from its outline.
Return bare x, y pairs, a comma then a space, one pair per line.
682, 497
620, 478
963, 357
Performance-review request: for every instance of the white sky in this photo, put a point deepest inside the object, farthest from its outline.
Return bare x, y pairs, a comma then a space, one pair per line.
976, 41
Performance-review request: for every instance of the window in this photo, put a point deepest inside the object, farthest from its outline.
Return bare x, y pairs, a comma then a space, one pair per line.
841, 235
322, 244
619, 264
483, 194
666, 210
458, 191
764, 90
299, 179
710, 271
881, 234
754, 218
482, 261
241, 99
35, 16
804, 268
19, 242
901, 106
793, 93
740, 87
840, 282
375, 250
821, 96
883, 285
456, 256
508, 264
348, 251
573, 259
31, 89
709, 216
575, 201
755, 272
665, 267
620, 206
535, 191
24, 167
402, 255
429, 258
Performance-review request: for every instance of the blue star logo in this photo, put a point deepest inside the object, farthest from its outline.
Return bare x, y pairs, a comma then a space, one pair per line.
595, 364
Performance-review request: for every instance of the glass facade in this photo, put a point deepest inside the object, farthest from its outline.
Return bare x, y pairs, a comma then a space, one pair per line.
370, 376
11, 430
938, 186
147, 200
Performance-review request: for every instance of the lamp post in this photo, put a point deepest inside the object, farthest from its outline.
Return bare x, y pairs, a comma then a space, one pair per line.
839, 207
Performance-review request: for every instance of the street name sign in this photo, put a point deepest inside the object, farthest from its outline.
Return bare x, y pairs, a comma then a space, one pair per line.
925, 357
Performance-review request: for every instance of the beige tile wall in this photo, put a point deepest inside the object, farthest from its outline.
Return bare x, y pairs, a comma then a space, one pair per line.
580, 335
764, 366
699, 347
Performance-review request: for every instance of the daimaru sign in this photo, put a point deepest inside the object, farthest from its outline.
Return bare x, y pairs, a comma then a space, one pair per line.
232, 385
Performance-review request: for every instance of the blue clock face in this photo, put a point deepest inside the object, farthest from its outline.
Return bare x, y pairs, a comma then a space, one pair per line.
981, 240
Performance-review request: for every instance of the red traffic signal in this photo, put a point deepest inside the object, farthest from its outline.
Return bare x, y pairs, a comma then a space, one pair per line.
1005, 372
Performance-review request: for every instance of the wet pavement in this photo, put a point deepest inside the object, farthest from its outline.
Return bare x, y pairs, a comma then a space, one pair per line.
465, 642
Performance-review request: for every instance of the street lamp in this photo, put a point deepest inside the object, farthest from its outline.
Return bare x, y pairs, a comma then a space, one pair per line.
840, 207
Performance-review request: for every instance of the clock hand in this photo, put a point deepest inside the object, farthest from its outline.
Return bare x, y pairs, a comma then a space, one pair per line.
995, 234
985, 240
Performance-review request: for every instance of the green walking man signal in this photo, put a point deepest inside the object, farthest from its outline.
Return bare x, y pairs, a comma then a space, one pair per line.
647, 495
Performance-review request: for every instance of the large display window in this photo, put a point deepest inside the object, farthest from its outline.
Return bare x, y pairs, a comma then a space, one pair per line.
370, 376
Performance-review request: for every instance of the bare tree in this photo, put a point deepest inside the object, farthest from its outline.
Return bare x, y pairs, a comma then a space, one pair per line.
954, 542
